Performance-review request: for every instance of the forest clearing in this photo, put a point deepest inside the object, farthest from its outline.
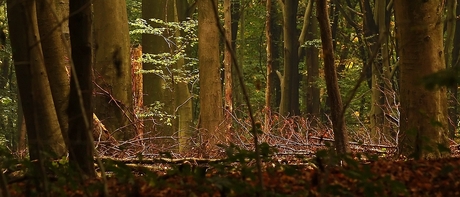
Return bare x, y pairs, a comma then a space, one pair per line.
229, 98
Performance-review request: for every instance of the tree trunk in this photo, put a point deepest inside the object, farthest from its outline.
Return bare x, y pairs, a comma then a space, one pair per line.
55, 53
271, 73
156, 87
312, 63
211, 113
138, 102
338, 120
290, 80
453, 63
228, 62
44, 133
183, 98
423, 112
81, 89
112, 68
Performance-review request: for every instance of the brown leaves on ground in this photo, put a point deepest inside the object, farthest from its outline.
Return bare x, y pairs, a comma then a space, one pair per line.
380, 178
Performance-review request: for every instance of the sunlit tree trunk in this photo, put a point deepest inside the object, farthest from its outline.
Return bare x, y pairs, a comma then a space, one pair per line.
183, 98
330, 72
273, 38
211, 112
289, 105
81, 89
423, 112
55, 53
112, 67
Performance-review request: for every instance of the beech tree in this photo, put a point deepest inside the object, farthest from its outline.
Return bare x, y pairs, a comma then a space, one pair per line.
43, 129
290, 79
112, 67
423, 112
211, 113
80, 110
332, 86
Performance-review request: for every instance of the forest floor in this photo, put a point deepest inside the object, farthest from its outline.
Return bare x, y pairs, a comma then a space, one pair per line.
294, 164
286, 176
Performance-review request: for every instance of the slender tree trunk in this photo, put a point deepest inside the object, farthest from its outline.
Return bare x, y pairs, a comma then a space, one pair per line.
312, 62
81, 89
183, 102
228, 62
290, 80
338, 120
452, 59
211, 115
386, 78
423, 112
270, 71
19, 43
138, 102
112, 67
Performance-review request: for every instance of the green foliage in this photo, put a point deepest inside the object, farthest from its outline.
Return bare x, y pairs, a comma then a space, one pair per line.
8, 117
181, 37
156, 110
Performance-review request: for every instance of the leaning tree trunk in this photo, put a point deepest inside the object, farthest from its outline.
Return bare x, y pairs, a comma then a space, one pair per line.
423, 112
332, 86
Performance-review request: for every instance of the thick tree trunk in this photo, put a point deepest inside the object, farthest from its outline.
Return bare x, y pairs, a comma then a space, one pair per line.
112, 68
44, 133
211, 113
81, 89
338, 120
55, 53
423, 112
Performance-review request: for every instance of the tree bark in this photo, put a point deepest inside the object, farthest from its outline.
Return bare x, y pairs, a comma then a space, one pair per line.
81, 89
44, 133
112, 68
312, 63
228, 62
289, 105
211, 113
423, 121
55, 53
183, 102
330, 72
